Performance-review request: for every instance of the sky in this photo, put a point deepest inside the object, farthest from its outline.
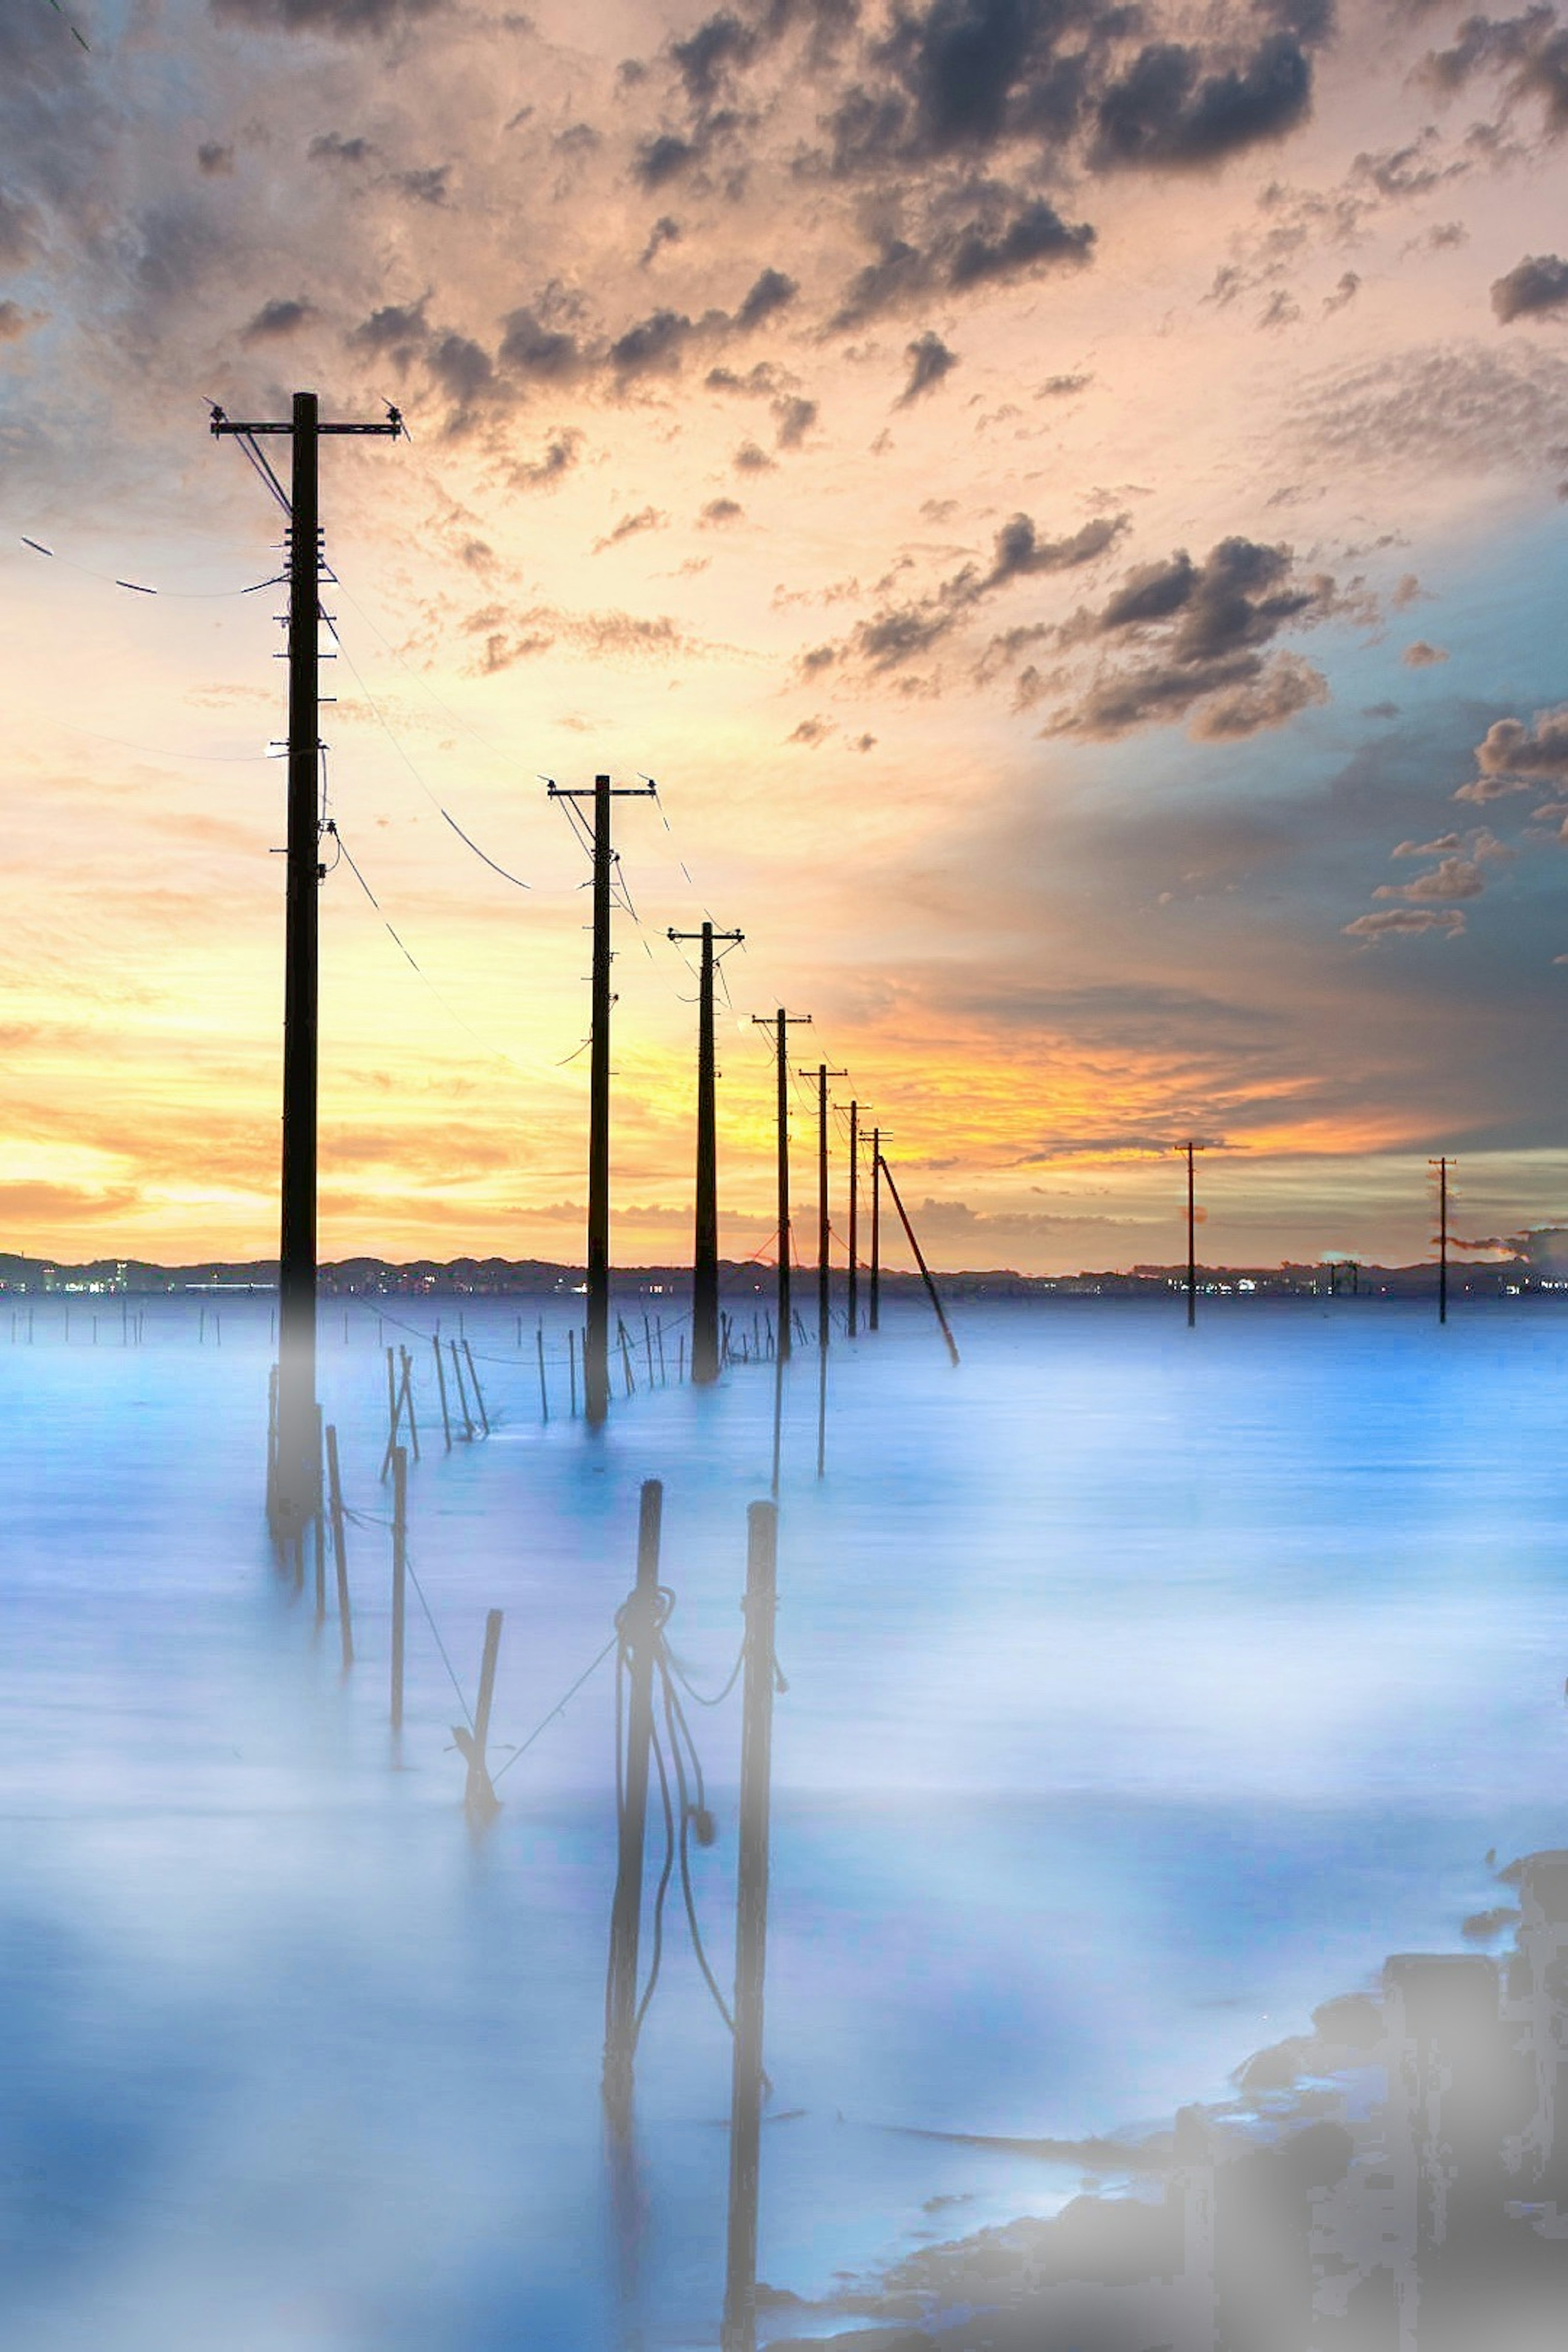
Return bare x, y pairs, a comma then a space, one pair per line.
1065, 499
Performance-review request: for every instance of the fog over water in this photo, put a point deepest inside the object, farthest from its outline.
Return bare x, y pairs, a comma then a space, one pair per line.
1145, 1689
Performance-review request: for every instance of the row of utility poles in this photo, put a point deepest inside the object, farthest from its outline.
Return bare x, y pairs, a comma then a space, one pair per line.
295, 1487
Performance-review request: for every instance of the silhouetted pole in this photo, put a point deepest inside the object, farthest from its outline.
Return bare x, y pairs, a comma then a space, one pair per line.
298, 1485
919, 1261
596, 1343
780, 1023
639, 1628
751, 1928
824, 1271
852, 1288
1190, 1148
399, 1576
705, 1240
479, 1799
1442, 1167
874, 1317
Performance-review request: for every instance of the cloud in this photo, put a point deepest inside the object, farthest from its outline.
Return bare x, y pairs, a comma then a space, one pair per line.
1453, 877
1514, 758
811, 732
214, 160
428, 186
1421, 655
1166, 111
278, 318
16, 323
1200, 630
542, 473
1438, 848
1530, 52
719, 512
331, 148
930, 360
1535, 286
795, 417
345, 19
992, 246
665, 231
750, 458
1038, 234
629, 525
1406, 922
772, 292
537, 352
1345, 291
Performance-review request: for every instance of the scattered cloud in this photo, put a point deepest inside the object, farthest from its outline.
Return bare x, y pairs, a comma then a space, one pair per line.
1535, 287
1421, 655
1514, 758
930, 360
630, 525
1406, 922
277, 319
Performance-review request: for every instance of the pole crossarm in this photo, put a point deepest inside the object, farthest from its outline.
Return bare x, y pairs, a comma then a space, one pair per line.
392, 427
733, 936
617, 791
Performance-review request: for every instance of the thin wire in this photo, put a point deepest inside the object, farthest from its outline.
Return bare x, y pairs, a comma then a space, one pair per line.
436, 1630
560, 1704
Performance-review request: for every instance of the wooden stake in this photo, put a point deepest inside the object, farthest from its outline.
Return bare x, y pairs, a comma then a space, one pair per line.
340, 1546
441, 1384
479, 1392
462, 1394
638, 1627
320, 1533
543, 1391
750, 1928
572, 1366
392, 1415
399, 1575
479, 1799
625, 1357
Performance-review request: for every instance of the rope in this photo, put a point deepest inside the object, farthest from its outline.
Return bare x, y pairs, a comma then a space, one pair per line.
558, 1709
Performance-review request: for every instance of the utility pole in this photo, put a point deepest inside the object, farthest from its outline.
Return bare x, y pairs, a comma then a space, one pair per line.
851, 1300
781, 1022
297, 1492
824, 1274
705, 1246
597, 1339
1442, 1166
874, 1318
1190, 1146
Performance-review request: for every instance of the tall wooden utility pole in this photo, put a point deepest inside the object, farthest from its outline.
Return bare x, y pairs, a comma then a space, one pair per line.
781, 1022
851, 1298
705, 1244
1442, 1166
874, 1317
1190, 1148
297, 1490
824, 1273
596, 1338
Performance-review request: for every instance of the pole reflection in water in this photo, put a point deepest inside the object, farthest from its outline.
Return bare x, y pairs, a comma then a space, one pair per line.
740, 2327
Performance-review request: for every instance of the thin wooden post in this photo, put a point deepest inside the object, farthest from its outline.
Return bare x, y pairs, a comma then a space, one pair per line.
399, 1575
271, 1439
572, 1365
441, 1384
648, 1346
681, 1362
543, 1391
340, 1546
919, 1261
462, 1394
659, 1335
406, 1398
625, 1357
479, 1392
752, 1927
479, 1799
392, 1416
637, 1623
320, 1532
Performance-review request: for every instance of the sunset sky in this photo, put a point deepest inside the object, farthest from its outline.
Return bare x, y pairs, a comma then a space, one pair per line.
1064, 498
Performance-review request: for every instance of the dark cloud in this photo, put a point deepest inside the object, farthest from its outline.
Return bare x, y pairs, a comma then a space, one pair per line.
283, 317
630, 525
214, 160
1038, 234
1538, 284
561, 453
346, 19
719, 512
1200, 631
424, 187
930, 360
659, 161
750, 458
1530, 52
1021, 553
1165, 111
705, 59
665, 231
398, 330
795, 418
331, 148
461, 367
811, 732
772, 292
539, 352
653, 346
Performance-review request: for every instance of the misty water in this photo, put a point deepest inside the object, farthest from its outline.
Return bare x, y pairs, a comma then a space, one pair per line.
1145, 1688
